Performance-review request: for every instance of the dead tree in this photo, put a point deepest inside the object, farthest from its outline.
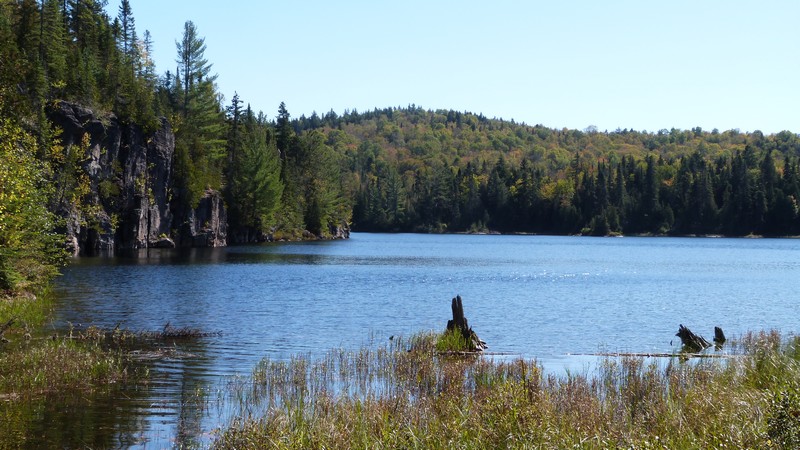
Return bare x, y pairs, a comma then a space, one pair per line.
691, 342
460, 325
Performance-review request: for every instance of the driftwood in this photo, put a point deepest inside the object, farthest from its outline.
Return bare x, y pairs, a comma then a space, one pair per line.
459, 324
691, 342
658, 355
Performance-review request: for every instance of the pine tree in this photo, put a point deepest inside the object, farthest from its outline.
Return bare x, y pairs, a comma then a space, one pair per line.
54, 46
200, 139
193, 68
254, 185
127, 32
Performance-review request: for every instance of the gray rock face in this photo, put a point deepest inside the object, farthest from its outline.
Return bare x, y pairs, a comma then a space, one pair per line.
130, 180
207, 224
129, 204
146, 180
342, 231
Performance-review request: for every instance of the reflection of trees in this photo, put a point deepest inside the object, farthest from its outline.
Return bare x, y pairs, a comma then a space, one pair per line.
166, 410
150, 256
109, 419
192, 405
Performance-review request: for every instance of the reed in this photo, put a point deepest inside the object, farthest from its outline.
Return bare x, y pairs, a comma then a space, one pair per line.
58, 366
405, 394
32, 365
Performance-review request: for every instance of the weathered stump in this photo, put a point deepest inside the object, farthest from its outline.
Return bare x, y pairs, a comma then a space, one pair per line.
719, 338
459, 324
691, 342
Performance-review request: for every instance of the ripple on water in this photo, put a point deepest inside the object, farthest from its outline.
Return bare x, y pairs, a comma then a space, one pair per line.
545, 297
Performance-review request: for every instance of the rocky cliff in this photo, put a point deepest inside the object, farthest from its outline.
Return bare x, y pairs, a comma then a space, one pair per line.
128, 192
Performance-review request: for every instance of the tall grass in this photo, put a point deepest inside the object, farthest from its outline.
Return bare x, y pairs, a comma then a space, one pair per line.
32, 365
407, 395
61, 365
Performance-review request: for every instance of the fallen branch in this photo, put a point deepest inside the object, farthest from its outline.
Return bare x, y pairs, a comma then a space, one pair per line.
658, 355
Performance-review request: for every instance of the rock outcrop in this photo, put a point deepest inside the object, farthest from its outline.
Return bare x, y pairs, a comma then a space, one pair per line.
341, 231
125, 181
207, 224
130, 181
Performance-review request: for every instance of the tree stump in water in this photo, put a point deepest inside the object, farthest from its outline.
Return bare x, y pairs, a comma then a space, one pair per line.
719, 338
692, 342
460, 325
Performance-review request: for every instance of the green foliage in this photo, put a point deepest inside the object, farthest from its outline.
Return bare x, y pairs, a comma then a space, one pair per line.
394, 169
254, 187
455, 170
200, 134
783, 422
314, 194
452, 341
29, 247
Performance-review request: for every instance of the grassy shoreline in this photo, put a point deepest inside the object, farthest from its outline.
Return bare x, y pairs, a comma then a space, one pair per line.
33, 363
407, 395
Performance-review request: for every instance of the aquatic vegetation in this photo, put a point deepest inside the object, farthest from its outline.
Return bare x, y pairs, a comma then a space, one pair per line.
407, 395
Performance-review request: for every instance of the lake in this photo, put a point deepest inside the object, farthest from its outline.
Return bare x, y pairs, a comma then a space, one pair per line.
555, 299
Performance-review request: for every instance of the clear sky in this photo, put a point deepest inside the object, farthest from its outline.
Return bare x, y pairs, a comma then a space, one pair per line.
639, 64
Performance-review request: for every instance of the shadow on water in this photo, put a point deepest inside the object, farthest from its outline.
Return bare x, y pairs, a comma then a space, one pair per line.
264, 254
203, 256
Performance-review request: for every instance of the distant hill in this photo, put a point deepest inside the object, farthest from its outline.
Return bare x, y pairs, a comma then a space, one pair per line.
412, 169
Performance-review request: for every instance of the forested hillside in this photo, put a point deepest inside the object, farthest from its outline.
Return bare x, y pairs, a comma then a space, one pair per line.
418, 170
177, 142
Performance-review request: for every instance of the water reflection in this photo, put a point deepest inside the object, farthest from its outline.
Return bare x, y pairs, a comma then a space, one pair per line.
168, 409
543, 297
71, 420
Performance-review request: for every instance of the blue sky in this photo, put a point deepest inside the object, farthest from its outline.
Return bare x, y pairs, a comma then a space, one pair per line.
643, 65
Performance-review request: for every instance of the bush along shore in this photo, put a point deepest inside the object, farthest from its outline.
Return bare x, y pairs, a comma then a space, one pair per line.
409, 394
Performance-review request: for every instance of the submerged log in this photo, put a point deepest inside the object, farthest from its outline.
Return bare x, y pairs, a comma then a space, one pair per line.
459, 324
691, 342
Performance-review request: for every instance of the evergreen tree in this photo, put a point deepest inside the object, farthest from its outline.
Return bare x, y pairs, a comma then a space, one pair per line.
193, 68
200, 136
254, 185
127, 32
285, 131
54, 46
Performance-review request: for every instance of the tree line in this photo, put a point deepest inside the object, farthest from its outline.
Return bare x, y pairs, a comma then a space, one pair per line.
419, 170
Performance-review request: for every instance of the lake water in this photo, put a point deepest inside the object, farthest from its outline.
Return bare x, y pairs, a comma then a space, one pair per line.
549, 298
